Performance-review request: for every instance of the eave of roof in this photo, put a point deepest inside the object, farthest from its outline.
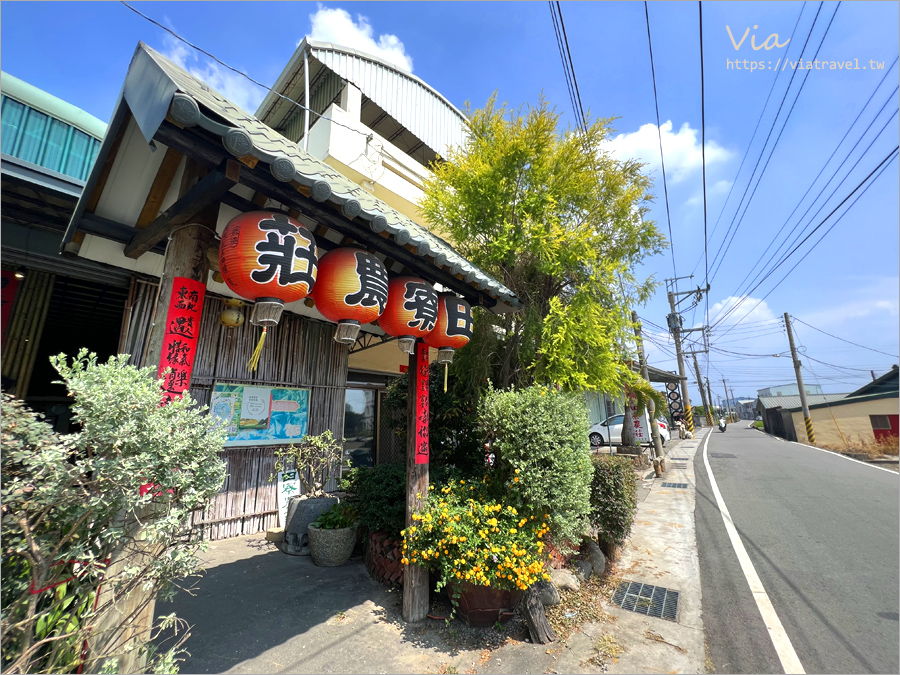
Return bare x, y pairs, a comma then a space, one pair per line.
850, 399
789, 402
156, 88
874, 383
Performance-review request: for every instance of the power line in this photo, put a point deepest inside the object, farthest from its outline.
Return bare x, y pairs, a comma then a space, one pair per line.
735, 221
752, 137
568, 68
821, 171
235, 70
775, 144
662, 159
847, 341
880, 169
703, 156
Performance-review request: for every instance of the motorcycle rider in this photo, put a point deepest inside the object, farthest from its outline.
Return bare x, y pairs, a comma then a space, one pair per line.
722, 424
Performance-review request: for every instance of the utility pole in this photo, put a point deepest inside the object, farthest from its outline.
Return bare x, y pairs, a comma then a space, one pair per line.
709, 391
810, 433
651, 406
706, 404
734, 403
674, 320
727, 404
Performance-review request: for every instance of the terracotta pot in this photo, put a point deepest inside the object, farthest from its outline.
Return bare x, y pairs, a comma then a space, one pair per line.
483, 606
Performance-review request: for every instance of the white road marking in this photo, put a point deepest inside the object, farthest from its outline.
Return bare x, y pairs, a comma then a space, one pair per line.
790, 662
837, 454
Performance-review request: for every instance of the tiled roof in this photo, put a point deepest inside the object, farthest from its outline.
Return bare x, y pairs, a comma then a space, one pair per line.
244, 135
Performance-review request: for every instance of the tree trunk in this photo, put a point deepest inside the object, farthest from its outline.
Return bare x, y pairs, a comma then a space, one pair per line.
628, 424
539, 628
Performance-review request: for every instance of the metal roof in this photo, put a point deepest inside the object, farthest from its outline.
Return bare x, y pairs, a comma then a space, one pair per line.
886, 382
789, 402
156, 88
51, 105
413, 103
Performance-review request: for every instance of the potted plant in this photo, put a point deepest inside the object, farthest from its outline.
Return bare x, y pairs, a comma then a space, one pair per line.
484, 552
318, 461
333, 535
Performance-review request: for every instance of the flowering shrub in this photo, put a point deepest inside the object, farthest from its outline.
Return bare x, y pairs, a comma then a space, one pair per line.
464, 534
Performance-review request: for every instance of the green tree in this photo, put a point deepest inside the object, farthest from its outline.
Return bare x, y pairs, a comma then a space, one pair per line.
561, 223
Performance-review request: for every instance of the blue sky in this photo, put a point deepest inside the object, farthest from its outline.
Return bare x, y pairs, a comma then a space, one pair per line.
847, 286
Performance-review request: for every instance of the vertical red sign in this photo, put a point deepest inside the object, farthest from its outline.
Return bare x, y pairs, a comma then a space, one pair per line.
10, 286
422, 381
180, 340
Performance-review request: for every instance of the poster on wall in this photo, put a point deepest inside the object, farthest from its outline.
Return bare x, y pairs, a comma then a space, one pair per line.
640, 421
255, 415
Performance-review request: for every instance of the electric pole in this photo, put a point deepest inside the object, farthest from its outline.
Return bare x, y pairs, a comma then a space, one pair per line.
709, 391
651, 406
675, 320
706, 404
810, 433
734, 408
727, 405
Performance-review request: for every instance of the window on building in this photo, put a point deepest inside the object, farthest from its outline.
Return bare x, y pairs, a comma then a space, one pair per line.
359, 427
880, 421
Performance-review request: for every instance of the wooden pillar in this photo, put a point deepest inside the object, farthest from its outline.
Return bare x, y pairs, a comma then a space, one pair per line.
186, 256
415, 579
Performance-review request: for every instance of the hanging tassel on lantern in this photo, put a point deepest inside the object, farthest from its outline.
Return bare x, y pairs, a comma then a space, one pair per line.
445, 377
254, 358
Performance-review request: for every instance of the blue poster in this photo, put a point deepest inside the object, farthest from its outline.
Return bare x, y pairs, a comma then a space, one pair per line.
255, 415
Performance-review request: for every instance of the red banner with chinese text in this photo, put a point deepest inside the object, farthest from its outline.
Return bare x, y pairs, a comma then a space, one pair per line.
422, 381
180, 340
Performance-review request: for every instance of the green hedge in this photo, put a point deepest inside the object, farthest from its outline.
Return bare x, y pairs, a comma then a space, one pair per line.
613, 498
540, 440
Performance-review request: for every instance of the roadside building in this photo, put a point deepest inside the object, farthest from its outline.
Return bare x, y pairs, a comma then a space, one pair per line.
178, 163
864, 416
776, 413
790, 389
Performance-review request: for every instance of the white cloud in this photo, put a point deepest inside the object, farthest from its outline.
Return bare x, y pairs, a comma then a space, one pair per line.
337, 26
718, 188
682, 150
749, 311
236, 88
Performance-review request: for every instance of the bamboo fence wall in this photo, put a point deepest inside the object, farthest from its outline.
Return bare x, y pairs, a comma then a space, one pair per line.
25, 328
297, 353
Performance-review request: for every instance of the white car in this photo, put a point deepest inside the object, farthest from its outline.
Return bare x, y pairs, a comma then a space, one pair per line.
609, 431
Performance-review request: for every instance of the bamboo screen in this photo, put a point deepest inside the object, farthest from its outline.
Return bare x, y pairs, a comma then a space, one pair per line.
298, 353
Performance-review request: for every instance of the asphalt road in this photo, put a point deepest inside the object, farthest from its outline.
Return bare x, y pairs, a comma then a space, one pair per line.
822, 532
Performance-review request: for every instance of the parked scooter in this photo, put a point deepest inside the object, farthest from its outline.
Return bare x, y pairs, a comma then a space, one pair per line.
722, 424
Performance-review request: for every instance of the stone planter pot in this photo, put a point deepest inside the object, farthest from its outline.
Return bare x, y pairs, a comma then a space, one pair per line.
383, 555
300, 514
331, 548
483, 606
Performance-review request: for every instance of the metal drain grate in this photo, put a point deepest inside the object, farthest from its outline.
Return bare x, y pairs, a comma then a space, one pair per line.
722, 455
679, 459
675, 485
655, 601
675, 465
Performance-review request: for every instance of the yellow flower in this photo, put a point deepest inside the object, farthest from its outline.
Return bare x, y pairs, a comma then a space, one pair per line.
517, 471
516, 479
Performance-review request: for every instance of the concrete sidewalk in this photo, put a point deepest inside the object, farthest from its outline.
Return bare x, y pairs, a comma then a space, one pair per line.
257, 610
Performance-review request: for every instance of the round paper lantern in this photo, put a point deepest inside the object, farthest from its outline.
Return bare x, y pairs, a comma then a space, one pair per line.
231, 316
351, 289
269, 258
453, 328
411, 311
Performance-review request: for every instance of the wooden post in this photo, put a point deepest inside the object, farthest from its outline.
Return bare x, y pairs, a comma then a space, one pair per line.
415, 578
186, 256
128, 617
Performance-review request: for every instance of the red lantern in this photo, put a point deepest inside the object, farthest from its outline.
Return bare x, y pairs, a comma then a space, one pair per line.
411, 311
269, 258
453, 329
351, 289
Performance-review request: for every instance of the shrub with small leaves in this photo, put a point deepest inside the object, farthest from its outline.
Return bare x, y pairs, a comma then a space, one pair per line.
613, 498
542, 455
122, 489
